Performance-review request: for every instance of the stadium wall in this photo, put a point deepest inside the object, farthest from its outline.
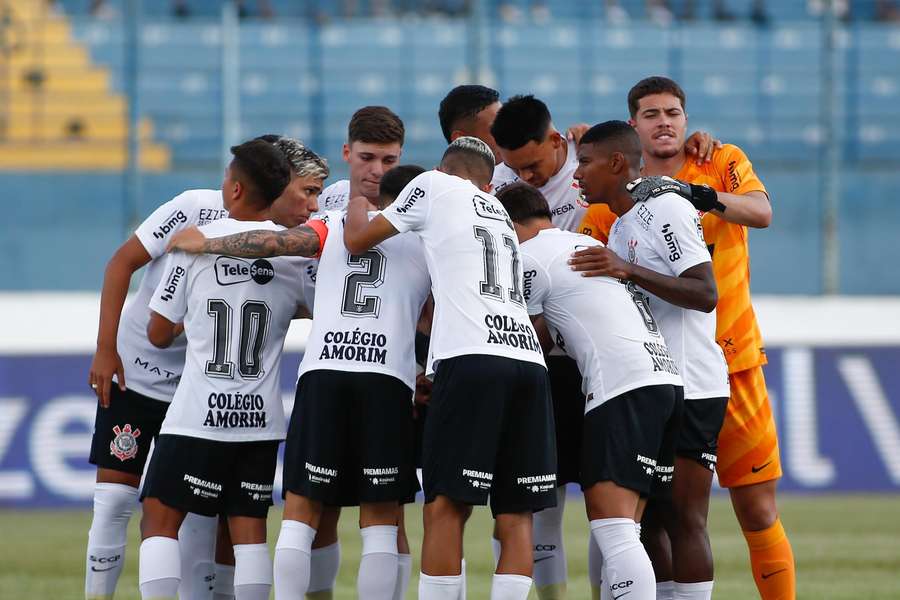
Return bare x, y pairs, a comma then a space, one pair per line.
832, 377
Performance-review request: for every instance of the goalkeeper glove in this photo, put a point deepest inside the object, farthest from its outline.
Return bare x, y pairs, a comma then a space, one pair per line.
703, 197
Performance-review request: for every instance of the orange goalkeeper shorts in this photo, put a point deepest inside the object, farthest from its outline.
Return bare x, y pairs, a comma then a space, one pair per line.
748, 443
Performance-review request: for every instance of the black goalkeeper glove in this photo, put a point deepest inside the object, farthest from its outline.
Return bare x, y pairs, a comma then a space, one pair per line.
702, 197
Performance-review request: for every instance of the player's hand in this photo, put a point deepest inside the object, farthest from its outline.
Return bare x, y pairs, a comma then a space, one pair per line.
701, 146
106, 363
576, 131
599, 261
703, 197
177, 330
423, 390
361, 201
190, 240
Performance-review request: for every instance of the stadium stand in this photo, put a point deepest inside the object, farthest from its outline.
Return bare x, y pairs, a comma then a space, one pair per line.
59, 110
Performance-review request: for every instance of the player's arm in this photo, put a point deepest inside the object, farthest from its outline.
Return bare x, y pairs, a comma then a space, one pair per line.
130, 257
160, 331
302, 240
694, 288
361, 234
543, 332
751, 209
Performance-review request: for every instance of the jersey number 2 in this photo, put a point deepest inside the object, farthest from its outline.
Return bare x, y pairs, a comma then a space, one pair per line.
254, 327
357, 304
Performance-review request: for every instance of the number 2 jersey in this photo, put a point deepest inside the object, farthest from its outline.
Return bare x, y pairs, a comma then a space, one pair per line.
367, 305
151, 371
663, 234
609, 332
476, 272
236, 313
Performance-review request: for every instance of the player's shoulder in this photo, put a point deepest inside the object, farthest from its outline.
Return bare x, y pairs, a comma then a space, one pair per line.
201, 198
503, 176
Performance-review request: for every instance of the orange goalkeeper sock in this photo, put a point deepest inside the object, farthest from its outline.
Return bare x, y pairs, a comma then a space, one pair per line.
772, 561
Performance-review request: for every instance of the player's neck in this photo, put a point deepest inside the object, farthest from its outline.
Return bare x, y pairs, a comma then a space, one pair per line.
562, 153
529, 229
243, 212
654, 165
621, 203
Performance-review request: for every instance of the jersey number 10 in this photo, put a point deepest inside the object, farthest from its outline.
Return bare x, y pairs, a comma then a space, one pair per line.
254, 327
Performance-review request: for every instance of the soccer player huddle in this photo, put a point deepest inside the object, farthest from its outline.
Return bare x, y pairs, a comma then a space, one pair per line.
540, 309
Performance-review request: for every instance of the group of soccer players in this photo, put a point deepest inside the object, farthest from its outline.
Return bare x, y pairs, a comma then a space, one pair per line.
540, 309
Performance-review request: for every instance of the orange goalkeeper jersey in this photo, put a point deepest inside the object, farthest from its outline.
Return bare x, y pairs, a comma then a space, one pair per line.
737, 331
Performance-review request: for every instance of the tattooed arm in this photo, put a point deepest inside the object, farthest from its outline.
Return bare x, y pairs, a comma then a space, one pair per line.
302, 240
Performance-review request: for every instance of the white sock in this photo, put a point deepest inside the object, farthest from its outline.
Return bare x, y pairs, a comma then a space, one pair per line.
510, 587
223, 586
159, 570
197, 541
549, 554
292, 560
252, 572
324, 565
627, 566
665, 590
595, 571
439, 587
495, 548
105, 556
693, 591
462, 581
378, 563
404, 571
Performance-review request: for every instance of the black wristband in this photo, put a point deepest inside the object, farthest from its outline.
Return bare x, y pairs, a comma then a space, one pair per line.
705, 198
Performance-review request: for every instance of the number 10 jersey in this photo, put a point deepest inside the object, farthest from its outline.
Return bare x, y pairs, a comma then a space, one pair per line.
236, 313
367, 306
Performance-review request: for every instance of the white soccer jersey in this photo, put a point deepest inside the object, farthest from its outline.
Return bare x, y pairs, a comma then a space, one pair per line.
663, 234
151, 371
335, 196
562, 192
367, 306
236, 313
476, 273
610, 333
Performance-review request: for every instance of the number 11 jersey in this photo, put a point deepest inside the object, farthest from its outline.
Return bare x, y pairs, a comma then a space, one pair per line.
476, 273
236, 313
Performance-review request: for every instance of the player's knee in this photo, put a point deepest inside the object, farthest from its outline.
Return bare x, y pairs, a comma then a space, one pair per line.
756, 516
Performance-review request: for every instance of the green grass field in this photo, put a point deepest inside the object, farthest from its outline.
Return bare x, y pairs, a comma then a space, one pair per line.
845, 547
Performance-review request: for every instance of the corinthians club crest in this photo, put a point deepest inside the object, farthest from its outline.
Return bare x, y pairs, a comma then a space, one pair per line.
124, 446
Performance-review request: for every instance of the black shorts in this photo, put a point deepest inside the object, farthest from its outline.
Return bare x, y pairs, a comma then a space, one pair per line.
629, 437
490, 432
698, 438
350, 439
568, 413
124, 431
210, 478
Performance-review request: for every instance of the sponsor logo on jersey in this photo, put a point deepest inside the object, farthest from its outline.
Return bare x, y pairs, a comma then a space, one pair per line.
414, 196
169, 376
659, 354
124, 446
208, 215
230, 271
169, 224
645, 216
356, 346
671, 242
235, 411
526, 286
490, 209
506, 331
561, 210
733, 178
172, 282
